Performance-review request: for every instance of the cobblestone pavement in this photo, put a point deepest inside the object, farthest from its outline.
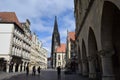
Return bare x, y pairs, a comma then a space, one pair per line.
4, 75
45, 75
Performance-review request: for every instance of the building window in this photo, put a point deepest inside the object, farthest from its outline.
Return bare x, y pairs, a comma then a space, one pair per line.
59, 63
58, 57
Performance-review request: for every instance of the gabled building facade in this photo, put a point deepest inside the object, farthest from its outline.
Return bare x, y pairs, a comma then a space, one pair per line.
43, 58
60, 54
71, 56
35, 51
16, 50
70, 45
18, 47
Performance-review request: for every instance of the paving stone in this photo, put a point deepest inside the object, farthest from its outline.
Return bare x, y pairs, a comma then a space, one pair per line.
49, 74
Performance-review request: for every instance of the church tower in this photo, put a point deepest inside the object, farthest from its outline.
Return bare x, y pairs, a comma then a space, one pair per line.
55, 42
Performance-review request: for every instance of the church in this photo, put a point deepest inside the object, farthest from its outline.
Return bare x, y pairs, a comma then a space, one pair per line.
58, 50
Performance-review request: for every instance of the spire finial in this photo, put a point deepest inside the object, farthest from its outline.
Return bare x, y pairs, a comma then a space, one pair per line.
55, 17
55, 25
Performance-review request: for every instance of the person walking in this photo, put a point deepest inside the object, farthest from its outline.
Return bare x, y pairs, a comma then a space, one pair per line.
34, 70
39, 70
59, 72
27, 70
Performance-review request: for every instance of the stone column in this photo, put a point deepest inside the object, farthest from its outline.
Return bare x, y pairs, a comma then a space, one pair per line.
7, 66
84, 67
23, 66
14, 66
80, 67
92, 71
19, 66
106, 57
8, 59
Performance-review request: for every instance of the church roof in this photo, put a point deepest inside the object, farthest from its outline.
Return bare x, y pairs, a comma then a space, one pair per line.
71, 36
61, 48
9, 17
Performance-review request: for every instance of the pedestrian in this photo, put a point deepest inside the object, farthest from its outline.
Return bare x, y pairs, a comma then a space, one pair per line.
39, 70
27, 70
59, 72
34, 70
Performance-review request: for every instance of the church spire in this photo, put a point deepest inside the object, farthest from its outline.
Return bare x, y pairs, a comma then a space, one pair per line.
55, 25
55, 41
56, 35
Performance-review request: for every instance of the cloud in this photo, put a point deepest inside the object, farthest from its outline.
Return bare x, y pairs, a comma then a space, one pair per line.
36, 8
40, 26
69, 25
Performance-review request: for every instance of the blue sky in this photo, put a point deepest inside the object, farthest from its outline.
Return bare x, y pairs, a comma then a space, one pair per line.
41, 14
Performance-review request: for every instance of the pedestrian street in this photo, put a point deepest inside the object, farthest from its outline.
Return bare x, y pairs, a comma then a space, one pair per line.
49, 74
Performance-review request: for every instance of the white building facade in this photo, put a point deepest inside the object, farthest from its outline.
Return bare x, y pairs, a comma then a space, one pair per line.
38, 56
60, 56
43, 58
14, 54
60, 59
18, 47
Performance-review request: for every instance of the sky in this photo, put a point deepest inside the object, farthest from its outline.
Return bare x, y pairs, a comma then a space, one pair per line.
41, 14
